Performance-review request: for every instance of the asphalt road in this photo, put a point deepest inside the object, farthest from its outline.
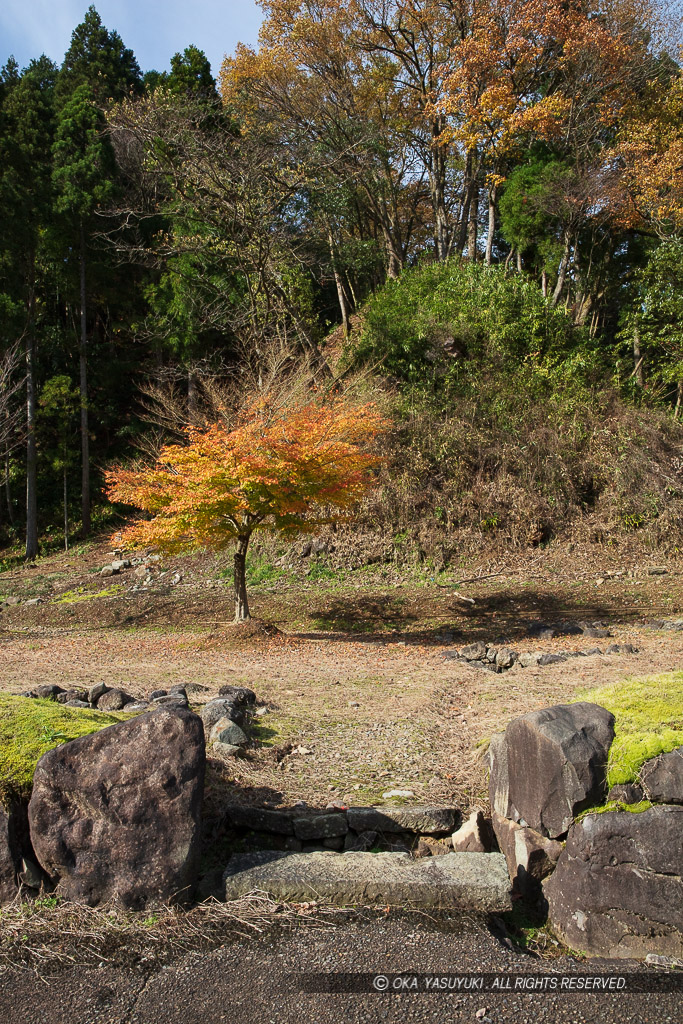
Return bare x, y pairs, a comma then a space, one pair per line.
256, 981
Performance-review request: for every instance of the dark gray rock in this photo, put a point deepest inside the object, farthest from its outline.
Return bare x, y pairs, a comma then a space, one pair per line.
474, 652
596, 632
10, 854
359, 843
464, 881
505, 658
321, 826
227, 731
530, 857
216, 709
621, 649
541, 631
116, 814
77, 704
114, 700
261, 819
551, 764
551, 659
50, 691
68, 695
178, 690
429, 820
97, 691
662, 778
136, 707
157, 693
171, 700
529, 658
626, 793
240, 694
617, 889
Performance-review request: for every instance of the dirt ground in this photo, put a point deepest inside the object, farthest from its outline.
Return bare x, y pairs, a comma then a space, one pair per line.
354, 672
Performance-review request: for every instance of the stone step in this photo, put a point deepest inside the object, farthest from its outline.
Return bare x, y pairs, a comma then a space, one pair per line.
463, 881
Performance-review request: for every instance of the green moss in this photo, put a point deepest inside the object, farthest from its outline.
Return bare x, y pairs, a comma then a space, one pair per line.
648, 721
617, 805
29, 728
81, 594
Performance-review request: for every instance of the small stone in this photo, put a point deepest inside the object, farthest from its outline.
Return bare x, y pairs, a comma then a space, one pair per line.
114, 700
171, 700
136, 707
48, 691
491, 653
505, 658
33, 601
551, 659
263, 710
68, 695
530, 658
471, 837
76, 704
474, 652
361, 842
226, 749
158, 693
227, 731
30, 874
397, 793
96, 691
621, 649
626, 793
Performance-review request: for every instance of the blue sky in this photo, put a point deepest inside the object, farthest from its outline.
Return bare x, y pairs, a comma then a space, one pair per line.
153, 29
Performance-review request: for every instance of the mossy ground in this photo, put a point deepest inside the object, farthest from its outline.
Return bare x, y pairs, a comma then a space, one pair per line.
648, 721
29, 728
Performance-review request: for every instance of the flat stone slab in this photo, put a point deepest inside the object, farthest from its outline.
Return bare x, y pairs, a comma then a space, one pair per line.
463, 881
430, 820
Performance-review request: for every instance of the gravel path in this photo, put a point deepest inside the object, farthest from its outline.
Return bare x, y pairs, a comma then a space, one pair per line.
254, 982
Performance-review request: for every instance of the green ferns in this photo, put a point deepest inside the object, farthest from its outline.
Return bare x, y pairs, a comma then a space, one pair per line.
29, 728
648, 721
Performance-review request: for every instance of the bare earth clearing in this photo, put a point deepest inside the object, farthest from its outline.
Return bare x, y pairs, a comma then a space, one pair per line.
353, 669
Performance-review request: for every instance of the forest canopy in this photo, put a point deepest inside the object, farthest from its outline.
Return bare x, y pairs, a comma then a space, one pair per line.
460, 197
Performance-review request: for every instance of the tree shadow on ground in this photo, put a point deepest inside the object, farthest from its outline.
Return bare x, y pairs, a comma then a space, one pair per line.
506, 615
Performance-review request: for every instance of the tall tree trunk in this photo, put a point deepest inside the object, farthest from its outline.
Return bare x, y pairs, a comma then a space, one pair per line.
679, 399
191, 395
544, 283
473, 224
341, 291
8, 493
66, 508
240, 564
31, 453
562, 272
491, 227
637, 357
85, 437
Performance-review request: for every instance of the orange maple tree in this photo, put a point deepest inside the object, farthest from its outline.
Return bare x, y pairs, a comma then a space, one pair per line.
287, 469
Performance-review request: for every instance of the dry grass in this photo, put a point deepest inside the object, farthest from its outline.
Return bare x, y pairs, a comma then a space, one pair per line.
49, 934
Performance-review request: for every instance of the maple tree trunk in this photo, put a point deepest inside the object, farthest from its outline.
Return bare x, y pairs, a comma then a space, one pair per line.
240, 562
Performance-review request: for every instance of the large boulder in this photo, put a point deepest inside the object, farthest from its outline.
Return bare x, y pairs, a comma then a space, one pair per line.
117, 813
551, 764
617, 889
662, 778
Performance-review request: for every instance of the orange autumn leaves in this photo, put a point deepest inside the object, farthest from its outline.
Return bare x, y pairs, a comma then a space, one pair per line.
278, 469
